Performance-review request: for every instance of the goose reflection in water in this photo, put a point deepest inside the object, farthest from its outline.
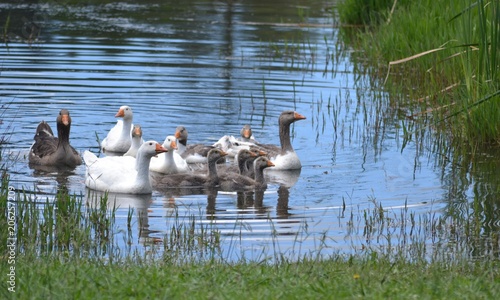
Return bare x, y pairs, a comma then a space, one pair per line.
140, 205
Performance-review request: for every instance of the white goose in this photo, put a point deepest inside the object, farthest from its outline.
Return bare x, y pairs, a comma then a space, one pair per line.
118, 175
170, 162
136, 141
119, 137
232, 145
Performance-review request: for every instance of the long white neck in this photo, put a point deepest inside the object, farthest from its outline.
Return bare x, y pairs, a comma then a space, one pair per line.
170, 161
136, 143
126, 129
142, 167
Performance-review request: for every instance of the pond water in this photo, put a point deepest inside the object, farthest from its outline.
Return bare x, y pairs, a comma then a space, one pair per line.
213, 67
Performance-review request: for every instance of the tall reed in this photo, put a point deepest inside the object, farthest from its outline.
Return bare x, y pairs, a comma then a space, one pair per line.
58, 226
444, 65
478, 29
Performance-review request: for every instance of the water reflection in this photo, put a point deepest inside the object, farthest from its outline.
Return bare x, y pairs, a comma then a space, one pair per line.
282, 206
59, 173
123, 205
286, 178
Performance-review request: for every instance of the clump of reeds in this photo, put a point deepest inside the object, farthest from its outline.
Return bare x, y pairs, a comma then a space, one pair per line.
444, 65
448, 236
66, 226
62, 225
189, 240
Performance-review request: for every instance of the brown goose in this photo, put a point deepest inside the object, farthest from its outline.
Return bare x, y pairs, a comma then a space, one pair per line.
284, 156
236, 182
211, 179
48, 150
244, 163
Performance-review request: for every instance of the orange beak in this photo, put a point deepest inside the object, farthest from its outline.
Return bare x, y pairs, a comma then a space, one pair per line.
173, 145
298, 116
247, 133
137, 131
270, 163
160, 149
177, 134
65, 119
222, 153
262, 153
253, 154
120, 113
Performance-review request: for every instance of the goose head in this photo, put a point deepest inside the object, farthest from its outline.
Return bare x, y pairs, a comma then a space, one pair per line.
170, 143
214, 155
245, 154
289, 116
151, 148
137, 131
246, 132
181, 134
258, 152
63, 124
262, 162
64, 117
124, 112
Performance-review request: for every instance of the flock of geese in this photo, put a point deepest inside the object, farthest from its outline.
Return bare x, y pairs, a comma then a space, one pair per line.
135, 166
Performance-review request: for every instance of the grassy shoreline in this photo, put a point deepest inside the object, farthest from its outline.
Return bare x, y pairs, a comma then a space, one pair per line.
64, 250
373, 277
441, 56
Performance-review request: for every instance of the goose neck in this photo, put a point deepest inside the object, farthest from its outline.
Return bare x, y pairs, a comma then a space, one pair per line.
259, 175
142, 167
284, 132
63, 134
170, 161
212, 170
127, 128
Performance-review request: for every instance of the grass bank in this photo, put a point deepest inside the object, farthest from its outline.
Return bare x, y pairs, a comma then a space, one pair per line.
337, 278
442, 56
62, 249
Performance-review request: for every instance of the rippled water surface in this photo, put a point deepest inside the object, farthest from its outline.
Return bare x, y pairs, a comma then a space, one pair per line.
213, 67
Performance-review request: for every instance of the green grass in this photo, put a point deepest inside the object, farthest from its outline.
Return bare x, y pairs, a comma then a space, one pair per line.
65, 249
337, 278
367, 12
443, 59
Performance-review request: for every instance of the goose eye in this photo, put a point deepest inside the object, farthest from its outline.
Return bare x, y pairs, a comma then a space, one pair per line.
150, 144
